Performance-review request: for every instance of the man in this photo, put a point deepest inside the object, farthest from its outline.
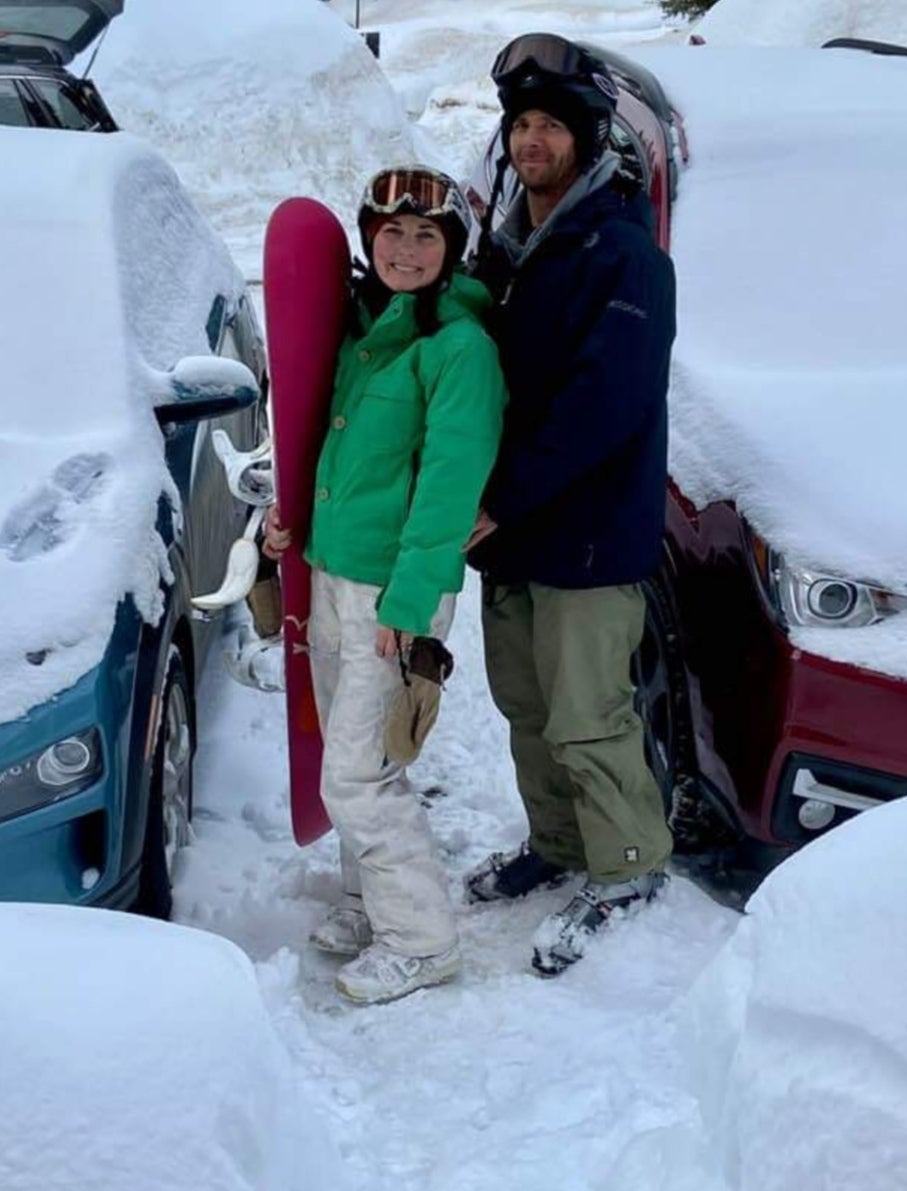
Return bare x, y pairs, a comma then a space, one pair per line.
573, 514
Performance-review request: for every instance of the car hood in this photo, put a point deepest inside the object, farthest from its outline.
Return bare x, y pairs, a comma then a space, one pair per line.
790, 367
54, 29
109, 274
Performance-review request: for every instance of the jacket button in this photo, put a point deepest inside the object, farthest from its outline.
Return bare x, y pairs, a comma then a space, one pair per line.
365, 355
323, 494
339, 422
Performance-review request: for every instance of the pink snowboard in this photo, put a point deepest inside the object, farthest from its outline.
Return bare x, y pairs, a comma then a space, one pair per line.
306, 272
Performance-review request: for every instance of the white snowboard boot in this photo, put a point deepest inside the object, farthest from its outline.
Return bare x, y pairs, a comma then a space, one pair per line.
562, 937
345, 929
380, 974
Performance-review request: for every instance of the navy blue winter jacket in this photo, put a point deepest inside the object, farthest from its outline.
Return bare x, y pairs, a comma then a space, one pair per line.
584, 325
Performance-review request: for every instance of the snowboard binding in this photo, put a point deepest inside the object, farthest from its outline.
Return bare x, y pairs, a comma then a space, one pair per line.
250, 478
257, 662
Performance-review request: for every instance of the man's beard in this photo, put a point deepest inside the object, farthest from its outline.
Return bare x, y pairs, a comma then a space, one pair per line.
555, 180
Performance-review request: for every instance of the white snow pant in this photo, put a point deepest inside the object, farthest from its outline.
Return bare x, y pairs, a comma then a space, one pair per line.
387, 853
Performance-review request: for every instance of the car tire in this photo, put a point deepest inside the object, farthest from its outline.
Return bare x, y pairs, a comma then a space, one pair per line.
662, 703
661, 700
170, 793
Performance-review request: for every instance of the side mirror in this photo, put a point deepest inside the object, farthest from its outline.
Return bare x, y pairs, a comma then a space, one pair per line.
201, 387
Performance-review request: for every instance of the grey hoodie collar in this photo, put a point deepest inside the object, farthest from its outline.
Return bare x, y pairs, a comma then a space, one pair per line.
508, 234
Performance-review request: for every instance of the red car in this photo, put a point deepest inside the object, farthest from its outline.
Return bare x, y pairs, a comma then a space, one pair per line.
759, 744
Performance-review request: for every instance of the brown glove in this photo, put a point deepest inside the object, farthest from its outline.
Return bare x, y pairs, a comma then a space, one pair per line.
415, 706
265, 604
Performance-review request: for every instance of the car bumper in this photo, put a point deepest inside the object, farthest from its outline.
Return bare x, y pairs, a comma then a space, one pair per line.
64, 853
839, 748
70, 851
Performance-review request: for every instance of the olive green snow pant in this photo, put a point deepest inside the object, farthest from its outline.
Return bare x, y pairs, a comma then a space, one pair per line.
559, 670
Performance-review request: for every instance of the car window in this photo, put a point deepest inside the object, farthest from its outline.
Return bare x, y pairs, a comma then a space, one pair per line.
63, 105
228, 344
60, 21
248, 336
12, 111
633, 160
215, 323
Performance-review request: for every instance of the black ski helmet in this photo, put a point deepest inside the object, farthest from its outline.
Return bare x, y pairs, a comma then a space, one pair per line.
544, 71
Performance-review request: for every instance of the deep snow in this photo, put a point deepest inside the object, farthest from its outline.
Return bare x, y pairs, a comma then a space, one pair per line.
806, 23
140, 1055
252, 103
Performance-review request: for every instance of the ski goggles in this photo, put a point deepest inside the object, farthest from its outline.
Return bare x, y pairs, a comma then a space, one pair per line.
424, 191
546, 52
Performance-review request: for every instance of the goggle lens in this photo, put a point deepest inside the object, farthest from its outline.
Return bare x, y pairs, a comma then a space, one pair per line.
427, 193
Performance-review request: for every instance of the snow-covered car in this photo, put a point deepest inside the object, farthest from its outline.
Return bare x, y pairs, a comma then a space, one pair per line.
126, 339
38, 41
771, 678
774, 665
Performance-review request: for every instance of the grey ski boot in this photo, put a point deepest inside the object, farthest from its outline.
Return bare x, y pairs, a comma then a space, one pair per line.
562, 937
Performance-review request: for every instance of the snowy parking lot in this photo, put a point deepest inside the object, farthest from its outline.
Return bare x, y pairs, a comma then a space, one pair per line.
693, 1049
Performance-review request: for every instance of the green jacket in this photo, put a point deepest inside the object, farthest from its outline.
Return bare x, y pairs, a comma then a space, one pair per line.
414, 429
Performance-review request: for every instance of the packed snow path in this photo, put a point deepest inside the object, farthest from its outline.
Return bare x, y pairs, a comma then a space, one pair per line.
501, 1079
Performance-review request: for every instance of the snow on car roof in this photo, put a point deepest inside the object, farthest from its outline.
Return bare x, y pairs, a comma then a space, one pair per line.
790, 366
109, 275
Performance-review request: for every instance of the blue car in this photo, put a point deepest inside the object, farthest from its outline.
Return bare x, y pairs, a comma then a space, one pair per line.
126, 339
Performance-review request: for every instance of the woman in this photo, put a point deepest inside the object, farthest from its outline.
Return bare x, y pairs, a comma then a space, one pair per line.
414, 428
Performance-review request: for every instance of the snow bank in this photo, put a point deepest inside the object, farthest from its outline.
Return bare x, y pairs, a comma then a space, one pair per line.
253, 103
109, 274
138, 1054
451, 42
790, 363
796, 1033
806, 23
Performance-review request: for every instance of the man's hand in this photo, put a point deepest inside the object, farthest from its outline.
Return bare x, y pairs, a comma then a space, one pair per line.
482, 528
277, 539
386, 642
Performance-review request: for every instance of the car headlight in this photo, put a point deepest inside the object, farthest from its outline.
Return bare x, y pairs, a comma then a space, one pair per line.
62, 769
816, 599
